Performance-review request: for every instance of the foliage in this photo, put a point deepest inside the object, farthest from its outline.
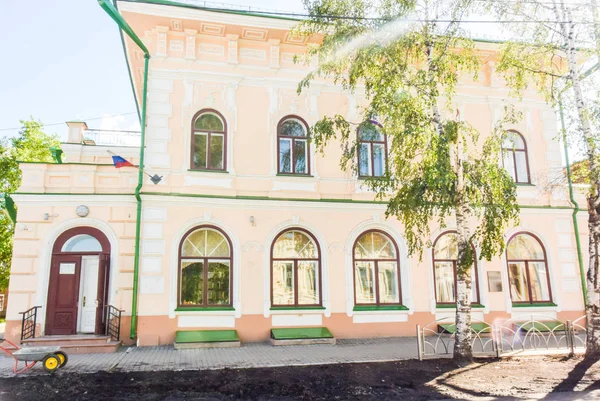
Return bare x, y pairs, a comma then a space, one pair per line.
30, 145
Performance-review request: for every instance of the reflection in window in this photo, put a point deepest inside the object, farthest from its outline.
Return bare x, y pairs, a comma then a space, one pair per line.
208, 142
205, 263
292, 135
371, 150
445, 262
514, 157
527, 270
82, 243
295, 266
376, 274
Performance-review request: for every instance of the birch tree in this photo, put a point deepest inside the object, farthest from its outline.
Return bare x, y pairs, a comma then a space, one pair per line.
551, 43
407, 62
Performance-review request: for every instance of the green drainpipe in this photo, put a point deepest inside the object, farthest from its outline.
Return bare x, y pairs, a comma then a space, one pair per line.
573, 201
114, 14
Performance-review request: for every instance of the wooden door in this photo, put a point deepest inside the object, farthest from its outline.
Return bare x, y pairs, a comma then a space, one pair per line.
102, 298
63, 295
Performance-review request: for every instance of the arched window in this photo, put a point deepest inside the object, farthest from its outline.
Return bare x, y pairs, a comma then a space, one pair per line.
445, 261
372, 150
209, 141
205, 260
292, 146
528, 270
514, 157
376, 270
295, 269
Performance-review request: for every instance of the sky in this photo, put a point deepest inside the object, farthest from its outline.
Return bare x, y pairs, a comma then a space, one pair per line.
63, 60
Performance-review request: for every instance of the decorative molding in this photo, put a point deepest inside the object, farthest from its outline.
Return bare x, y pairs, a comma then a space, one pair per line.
161, 41
176, 25
253, 54
212, 29
274, 49
176, 45
293, 39
190, 44
211, 49
255, 34
232, 49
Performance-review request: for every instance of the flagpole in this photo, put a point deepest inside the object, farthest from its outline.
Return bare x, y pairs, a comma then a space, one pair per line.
154, 178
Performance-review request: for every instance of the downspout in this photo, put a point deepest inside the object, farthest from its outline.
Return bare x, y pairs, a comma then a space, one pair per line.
573, 201
114, 14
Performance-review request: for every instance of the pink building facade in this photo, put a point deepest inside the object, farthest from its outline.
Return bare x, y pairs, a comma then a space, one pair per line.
252, 229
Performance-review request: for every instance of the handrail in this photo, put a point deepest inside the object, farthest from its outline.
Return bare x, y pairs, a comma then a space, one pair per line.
113, 322
29, 322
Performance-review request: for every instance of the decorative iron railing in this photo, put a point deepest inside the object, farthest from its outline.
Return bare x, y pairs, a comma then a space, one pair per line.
28, 323
111, 137
519, 334
113, 322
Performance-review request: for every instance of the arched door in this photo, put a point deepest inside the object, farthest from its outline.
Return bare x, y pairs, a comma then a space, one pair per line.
78, 285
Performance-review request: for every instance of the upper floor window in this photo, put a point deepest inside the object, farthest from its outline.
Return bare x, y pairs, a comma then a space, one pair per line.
295, 269
445, 263
205, 268
514, 157
376, 270
372, 150
209, 141
292, 145
527, 270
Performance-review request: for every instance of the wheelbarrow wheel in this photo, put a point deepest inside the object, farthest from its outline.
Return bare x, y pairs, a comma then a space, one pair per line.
51, 363
62, 357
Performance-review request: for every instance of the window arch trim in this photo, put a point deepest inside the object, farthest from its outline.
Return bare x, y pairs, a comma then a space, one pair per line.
319, 259
293, 140
396, 259
370, 143
514, 158
180, 258
454, 267
545, 260
192, 142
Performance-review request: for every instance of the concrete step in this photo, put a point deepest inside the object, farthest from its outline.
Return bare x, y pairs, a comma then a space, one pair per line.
76, 344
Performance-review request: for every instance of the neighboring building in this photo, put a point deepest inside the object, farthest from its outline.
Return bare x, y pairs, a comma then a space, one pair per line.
250, 228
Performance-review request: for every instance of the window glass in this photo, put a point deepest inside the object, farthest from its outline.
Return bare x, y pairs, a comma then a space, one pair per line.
285, 155
218, 282
364, 159
295, 244
300, 157
374, 245
512, 140
200, 150
192, 283
82, 243
446, 247
308, 290
444, 282
370, 132
283, 283
217, 146
388, 282
378, 159
524, 246
364, 274
209, 122
292, 127
509, 164
518, 282
539, 281
521, 162
445, 263
205, 243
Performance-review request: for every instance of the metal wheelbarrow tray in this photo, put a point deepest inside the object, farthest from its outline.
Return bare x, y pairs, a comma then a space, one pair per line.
51, 357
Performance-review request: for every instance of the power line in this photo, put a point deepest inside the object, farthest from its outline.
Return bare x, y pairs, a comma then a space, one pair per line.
86, 119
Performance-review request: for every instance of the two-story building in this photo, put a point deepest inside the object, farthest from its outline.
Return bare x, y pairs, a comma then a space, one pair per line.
251, 229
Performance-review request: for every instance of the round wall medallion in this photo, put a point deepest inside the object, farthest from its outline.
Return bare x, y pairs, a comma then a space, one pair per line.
82, 211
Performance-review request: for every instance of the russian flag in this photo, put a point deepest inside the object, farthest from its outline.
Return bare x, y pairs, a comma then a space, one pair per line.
120, 162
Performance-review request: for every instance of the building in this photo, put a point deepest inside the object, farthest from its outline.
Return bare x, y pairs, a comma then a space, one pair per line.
250, 228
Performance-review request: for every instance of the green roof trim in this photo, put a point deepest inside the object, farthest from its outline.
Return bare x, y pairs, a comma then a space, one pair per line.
475, 328
301, 333
7, 206
206, 336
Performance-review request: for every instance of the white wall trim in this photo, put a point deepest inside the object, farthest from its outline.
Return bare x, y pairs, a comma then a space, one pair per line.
323, 248
174, 265
405, 275
43, 274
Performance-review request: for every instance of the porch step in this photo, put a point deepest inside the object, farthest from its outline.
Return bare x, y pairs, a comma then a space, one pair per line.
301, 336
77, 344
206, 339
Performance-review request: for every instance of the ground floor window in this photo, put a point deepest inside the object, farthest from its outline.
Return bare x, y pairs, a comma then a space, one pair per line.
205, 268
527, 270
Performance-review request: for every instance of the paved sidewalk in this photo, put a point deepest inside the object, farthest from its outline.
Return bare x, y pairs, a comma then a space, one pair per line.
133, 359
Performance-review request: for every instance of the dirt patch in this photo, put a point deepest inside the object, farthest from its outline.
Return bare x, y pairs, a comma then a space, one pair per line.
405, 380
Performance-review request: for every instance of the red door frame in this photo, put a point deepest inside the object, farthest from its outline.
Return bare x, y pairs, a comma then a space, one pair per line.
54, 281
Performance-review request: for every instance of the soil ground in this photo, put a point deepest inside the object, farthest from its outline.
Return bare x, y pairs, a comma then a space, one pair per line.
403, 380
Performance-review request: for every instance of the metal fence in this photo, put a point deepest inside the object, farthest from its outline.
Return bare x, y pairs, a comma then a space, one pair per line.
111, 137
520, 334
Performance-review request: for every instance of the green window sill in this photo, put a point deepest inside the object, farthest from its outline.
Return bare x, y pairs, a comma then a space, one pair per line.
537, 305
295, 175
453, 306
368, 177
298, 308
365, 308
524, 184
204, 308
205, 170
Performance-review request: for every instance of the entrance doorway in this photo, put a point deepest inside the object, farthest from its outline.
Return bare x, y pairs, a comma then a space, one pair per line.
78, 285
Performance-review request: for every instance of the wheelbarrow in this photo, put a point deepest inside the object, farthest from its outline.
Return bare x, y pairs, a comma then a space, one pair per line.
51, 357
